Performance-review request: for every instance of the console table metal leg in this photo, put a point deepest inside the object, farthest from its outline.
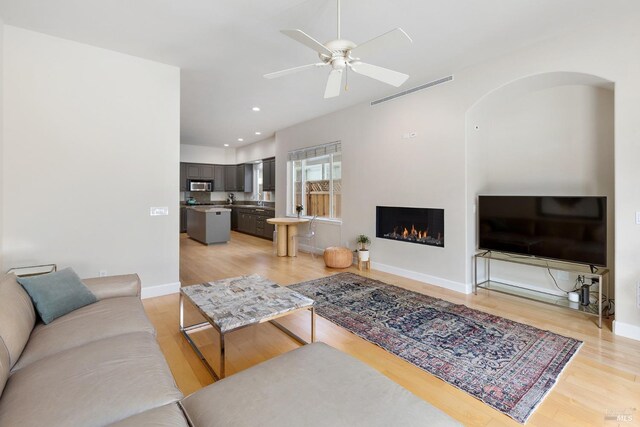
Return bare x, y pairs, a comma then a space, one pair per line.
475, 275
600, 302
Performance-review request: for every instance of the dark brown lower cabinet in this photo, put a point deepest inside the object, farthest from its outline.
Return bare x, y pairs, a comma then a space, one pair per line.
254, 222
234, 219
246, 223
183, 220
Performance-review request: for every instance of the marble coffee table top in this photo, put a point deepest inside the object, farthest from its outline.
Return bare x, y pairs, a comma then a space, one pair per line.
242, 301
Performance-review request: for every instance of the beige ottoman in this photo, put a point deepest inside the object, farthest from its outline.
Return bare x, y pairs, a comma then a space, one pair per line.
338, 257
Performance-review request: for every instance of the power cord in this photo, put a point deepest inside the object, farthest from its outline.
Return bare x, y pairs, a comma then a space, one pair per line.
555, 282
611, 308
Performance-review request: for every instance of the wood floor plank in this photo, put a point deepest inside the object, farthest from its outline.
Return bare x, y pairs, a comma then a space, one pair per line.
605, 375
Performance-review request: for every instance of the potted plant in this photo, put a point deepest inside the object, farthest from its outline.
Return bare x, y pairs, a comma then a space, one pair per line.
363, 252
299, 210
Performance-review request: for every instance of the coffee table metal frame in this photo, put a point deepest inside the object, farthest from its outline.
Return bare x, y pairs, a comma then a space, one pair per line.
211, 324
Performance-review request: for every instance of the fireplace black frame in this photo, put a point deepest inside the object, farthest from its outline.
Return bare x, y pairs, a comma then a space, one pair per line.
407, 217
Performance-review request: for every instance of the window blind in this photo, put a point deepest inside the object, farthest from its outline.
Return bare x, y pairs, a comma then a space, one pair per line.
316, 151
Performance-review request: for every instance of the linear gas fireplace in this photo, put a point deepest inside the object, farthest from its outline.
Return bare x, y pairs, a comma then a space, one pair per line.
424, 226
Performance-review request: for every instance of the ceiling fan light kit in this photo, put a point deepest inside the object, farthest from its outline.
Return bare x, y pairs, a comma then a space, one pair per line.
341, 54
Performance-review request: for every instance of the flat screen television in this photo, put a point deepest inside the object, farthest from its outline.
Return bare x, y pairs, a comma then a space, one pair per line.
571, 229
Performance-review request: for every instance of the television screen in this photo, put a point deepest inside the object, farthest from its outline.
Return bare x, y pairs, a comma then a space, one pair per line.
572, 229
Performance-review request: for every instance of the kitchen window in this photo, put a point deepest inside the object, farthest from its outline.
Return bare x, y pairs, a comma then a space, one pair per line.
258, 193
315, 181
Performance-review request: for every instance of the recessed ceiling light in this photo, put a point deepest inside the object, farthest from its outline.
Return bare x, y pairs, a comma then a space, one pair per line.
226, 145
240, 139
258, 133
256, 108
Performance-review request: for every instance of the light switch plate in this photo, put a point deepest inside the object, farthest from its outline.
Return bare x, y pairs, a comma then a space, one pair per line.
158, 211
638, 217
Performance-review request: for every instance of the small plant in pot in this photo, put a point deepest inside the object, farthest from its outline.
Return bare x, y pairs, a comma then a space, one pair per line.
299, 209
363, 251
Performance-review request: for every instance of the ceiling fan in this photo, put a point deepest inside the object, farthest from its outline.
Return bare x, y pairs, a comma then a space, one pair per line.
343, 55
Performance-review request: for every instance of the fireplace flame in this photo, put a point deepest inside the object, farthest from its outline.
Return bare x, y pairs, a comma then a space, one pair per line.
412, 227
413, 234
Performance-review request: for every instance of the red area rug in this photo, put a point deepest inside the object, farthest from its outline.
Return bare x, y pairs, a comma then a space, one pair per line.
508, 365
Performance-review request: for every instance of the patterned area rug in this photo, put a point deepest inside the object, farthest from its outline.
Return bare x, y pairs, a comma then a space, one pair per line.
507, 365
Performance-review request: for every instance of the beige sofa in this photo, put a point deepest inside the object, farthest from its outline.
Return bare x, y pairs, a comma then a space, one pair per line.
101, 365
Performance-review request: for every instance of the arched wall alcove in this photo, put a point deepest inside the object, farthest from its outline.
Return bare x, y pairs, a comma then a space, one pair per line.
546, 134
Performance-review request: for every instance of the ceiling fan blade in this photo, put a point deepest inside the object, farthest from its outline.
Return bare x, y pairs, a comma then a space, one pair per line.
383, 43
385, 75
292, 70
333, 84
302, 37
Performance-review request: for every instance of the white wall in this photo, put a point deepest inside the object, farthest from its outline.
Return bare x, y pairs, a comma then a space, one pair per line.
202, 154
91, 141
541, 136
228, 156
1, 141
381, 168
430, 170
256, 151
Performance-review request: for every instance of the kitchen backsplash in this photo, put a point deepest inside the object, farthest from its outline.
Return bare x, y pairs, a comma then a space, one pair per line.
220, 197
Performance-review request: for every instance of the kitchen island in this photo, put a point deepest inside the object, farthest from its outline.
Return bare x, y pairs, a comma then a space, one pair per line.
209, 224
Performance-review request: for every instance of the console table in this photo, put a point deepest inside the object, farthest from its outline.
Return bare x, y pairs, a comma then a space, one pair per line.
600, 274
33, 270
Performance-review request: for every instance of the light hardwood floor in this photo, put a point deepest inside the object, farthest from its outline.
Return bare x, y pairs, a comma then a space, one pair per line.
604, 376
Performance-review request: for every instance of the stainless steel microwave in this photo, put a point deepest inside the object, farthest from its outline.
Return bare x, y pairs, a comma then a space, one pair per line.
200, 185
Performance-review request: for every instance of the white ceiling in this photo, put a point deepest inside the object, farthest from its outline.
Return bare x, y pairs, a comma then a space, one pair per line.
224, 47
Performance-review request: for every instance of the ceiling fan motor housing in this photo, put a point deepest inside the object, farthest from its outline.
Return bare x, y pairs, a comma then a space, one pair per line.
340, 57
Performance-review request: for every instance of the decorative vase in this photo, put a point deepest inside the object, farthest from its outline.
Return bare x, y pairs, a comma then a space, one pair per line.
363, 254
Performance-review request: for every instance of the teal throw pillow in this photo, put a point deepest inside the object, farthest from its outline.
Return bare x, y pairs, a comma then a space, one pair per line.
56, 294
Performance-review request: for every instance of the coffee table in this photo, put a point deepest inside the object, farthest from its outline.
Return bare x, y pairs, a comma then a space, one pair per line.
238, 302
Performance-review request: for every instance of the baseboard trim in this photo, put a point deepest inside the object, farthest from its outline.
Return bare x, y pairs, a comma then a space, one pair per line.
425, 278
626, 330
160, 290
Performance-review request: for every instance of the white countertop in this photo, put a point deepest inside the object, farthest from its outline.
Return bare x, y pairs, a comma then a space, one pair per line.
208, 209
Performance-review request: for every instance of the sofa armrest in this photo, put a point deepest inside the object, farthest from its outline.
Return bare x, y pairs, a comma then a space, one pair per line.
126, 285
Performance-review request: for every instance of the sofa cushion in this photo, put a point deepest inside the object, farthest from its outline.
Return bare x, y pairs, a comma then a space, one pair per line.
104, 319
94, 385
17, 316
4, 365
56, 294
286, 391
165, 416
